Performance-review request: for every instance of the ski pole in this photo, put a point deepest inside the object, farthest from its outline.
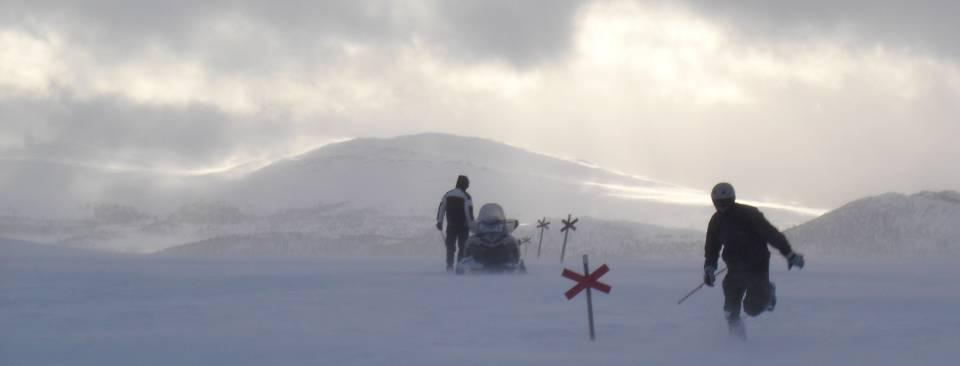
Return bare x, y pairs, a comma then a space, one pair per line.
699, 287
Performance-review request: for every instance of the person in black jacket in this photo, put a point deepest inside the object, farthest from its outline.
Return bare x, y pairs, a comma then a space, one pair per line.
457, 206
743, 234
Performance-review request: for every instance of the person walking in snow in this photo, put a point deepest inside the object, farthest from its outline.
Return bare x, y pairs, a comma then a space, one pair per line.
457, 206
743, 233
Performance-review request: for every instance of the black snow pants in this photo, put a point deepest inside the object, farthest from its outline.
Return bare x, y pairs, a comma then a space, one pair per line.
456, 239
750, 290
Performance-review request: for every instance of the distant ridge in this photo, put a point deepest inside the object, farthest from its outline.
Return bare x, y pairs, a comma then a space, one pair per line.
11, 249
893, 224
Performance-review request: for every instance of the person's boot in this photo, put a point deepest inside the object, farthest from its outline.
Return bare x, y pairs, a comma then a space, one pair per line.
737, 328
735, 325
773, 297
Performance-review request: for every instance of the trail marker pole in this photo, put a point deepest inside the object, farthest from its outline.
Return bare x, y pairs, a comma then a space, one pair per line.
568, 224
524, 243
542, 225
593, 333
586, 282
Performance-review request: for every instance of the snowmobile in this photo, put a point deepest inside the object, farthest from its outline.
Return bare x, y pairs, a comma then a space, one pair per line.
491, 247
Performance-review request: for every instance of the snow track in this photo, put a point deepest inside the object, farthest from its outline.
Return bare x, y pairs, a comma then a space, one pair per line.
162, 311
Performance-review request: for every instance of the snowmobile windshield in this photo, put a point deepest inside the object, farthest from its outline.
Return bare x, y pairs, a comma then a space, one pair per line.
492, 224
493, 220
491, 212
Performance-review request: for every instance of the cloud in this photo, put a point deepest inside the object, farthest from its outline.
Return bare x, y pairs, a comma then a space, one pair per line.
770, 95
111, 133
926, 26
520, 33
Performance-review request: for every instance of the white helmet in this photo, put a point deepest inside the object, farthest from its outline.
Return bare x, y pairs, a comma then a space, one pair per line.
723, 191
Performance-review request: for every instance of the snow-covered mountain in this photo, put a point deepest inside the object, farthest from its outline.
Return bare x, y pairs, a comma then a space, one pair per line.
123, 228
408, 175
922, 224
385, 191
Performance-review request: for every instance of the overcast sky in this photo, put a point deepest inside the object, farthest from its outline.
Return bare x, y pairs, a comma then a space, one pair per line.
816, 102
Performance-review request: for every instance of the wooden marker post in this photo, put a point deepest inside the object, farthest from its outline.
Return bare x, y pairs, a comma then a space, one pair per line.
586, 282
568, 224
542, 225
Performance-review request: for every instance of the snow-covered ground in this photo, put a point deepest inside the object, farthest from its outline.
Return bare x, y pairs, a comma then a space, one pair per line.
174, 311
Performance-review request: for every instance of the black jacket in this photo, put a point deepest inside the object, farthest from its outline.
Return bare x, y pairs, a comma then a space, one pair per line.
457, 206
743, 233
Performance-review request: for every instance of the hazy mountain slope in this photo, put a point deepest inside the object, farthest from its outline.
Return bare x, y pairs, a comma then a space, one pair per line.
126, 229
15, 250
407, 175
412, 238
926, 223
37, 188
359, 188
891, 225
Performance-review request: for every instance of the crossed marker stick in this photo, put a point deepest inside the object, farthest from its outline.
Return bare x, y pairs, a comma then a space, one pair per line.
568, 224
587, 281
542, 224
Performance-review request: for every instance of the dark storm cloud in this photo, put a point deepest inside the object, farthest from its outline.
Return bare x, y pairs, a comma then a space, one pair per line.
522, 32
177, 20
262, 39
283, 32
928, 26
519, 32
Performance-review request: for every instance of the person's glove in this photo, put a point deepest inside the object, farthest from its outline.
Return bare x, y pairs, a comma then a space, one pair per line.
440, 226
709, 276
794, 260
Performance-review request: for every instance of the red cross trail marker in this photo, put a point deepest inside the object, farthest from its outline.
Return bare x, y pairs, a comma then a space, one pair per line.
542, 225
587, 281
568, 224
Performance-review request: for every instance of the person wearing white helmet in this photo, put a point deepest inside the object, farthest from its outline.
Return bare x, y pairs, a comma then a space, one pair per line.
743, 233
